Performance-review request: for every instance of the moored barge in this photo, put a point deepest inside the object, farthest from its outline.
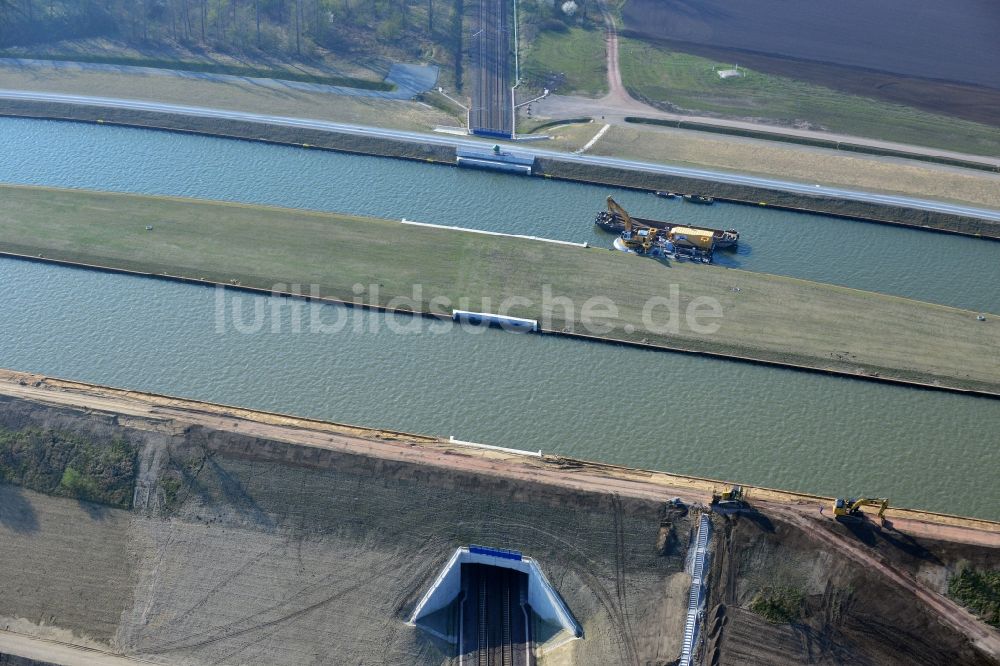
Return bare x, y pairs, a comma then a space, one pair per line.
612, 220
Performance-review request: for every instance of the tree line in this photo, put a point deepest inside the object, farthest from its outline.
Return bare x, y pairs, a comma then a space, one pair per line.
269, 25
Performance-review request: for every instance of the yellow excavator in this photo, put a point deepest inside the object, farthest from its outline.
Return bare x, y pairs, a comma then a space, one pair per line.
732, 495
851, 508
637, 238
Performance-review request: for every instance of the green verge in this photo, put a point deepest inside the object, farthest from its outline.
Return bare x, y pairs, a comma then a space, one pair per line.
663, 77
69, 465
781, 605
215, 68
979, 591
765, 317
575, 58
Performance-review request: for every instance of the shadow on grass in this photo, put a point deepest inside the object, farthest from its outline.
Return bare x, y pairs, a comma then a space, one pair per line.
16, 512
96, 512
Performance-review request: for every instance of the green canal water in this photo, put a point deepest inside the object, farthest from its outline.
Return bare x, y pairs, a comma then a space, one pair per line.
700, 416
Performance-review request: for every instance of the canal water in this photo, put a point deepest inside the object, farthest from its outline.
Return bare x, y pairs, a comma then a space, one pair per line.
698, 416
963, 272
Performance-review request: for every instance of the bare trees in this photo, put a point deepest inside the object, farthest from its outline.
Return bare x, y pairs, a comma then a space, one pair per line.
269, 25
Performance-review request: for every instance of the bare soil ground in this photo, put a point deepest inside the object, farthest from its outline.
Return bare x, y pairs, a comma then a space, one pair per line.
65, 566
852, 40
270, 555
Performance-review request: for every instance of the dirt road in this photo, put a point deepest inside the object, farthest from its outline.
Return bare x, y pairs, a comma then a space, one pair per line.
63, 654
617, 94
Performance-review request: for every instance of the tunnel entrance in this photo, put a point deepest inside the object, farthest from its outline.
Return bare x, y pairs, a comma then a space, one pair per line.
494, 606
495, 620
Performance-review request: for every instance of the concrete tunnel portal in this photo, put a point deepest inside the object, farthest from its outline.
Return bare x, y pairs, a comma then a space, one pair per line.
494, 606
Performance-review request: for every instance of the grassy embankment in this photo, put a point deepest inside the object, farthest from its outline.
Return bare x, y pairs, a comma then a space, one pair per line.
979, 591
679, 81
801, 164
574, 60
285, 74
235, 95
765, 317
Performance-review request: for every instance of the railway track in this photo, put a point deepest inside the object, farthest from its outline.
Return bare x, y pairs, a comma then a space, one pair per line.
492, 111
498, 634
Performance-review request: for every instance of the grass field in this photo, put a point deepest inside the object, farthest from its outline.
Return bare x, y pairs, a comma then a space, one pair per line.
235, 95
800, 163
686, 82
764, 317
286, 74
574, 60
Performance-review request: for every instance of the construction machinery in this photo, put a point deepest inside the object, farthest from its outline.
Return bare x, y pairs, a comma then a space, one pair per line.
637, 238
660, 238
732, 495
851, 508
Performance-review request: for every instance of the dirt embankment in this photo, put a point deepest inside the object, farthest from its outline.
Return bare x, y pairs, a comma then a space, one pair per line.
241, 549
838, 610
544, 167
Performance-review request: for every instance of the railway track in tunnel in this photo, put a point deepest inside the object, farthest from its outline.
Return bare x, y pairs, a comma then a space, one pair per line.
495, 623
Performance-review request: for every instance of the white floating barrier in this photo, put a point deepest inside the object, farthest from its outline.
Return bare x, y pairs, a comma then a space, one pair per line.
491, 447
492, 233
503, 321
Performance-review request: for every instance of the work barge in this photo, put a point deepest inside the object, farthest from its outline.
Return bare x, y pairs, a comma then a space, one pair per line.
660, 238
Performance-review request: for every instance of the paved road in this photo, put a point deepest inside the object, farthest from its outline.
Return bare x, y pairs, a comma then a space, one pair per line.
492, 110
461, 142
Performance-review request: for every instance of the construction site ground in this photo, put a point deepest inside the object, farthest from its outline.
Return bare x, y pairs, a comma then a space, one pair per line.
845, 592
283, 554
290, 541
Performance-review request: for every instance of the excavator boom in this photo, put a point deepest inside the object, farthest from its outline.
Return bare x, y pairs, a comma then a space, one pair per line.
616, 210
852, 507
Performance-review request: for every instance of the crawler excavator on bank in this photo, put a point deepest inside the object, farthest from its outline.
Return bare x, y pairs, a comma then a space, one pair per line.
851, 508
